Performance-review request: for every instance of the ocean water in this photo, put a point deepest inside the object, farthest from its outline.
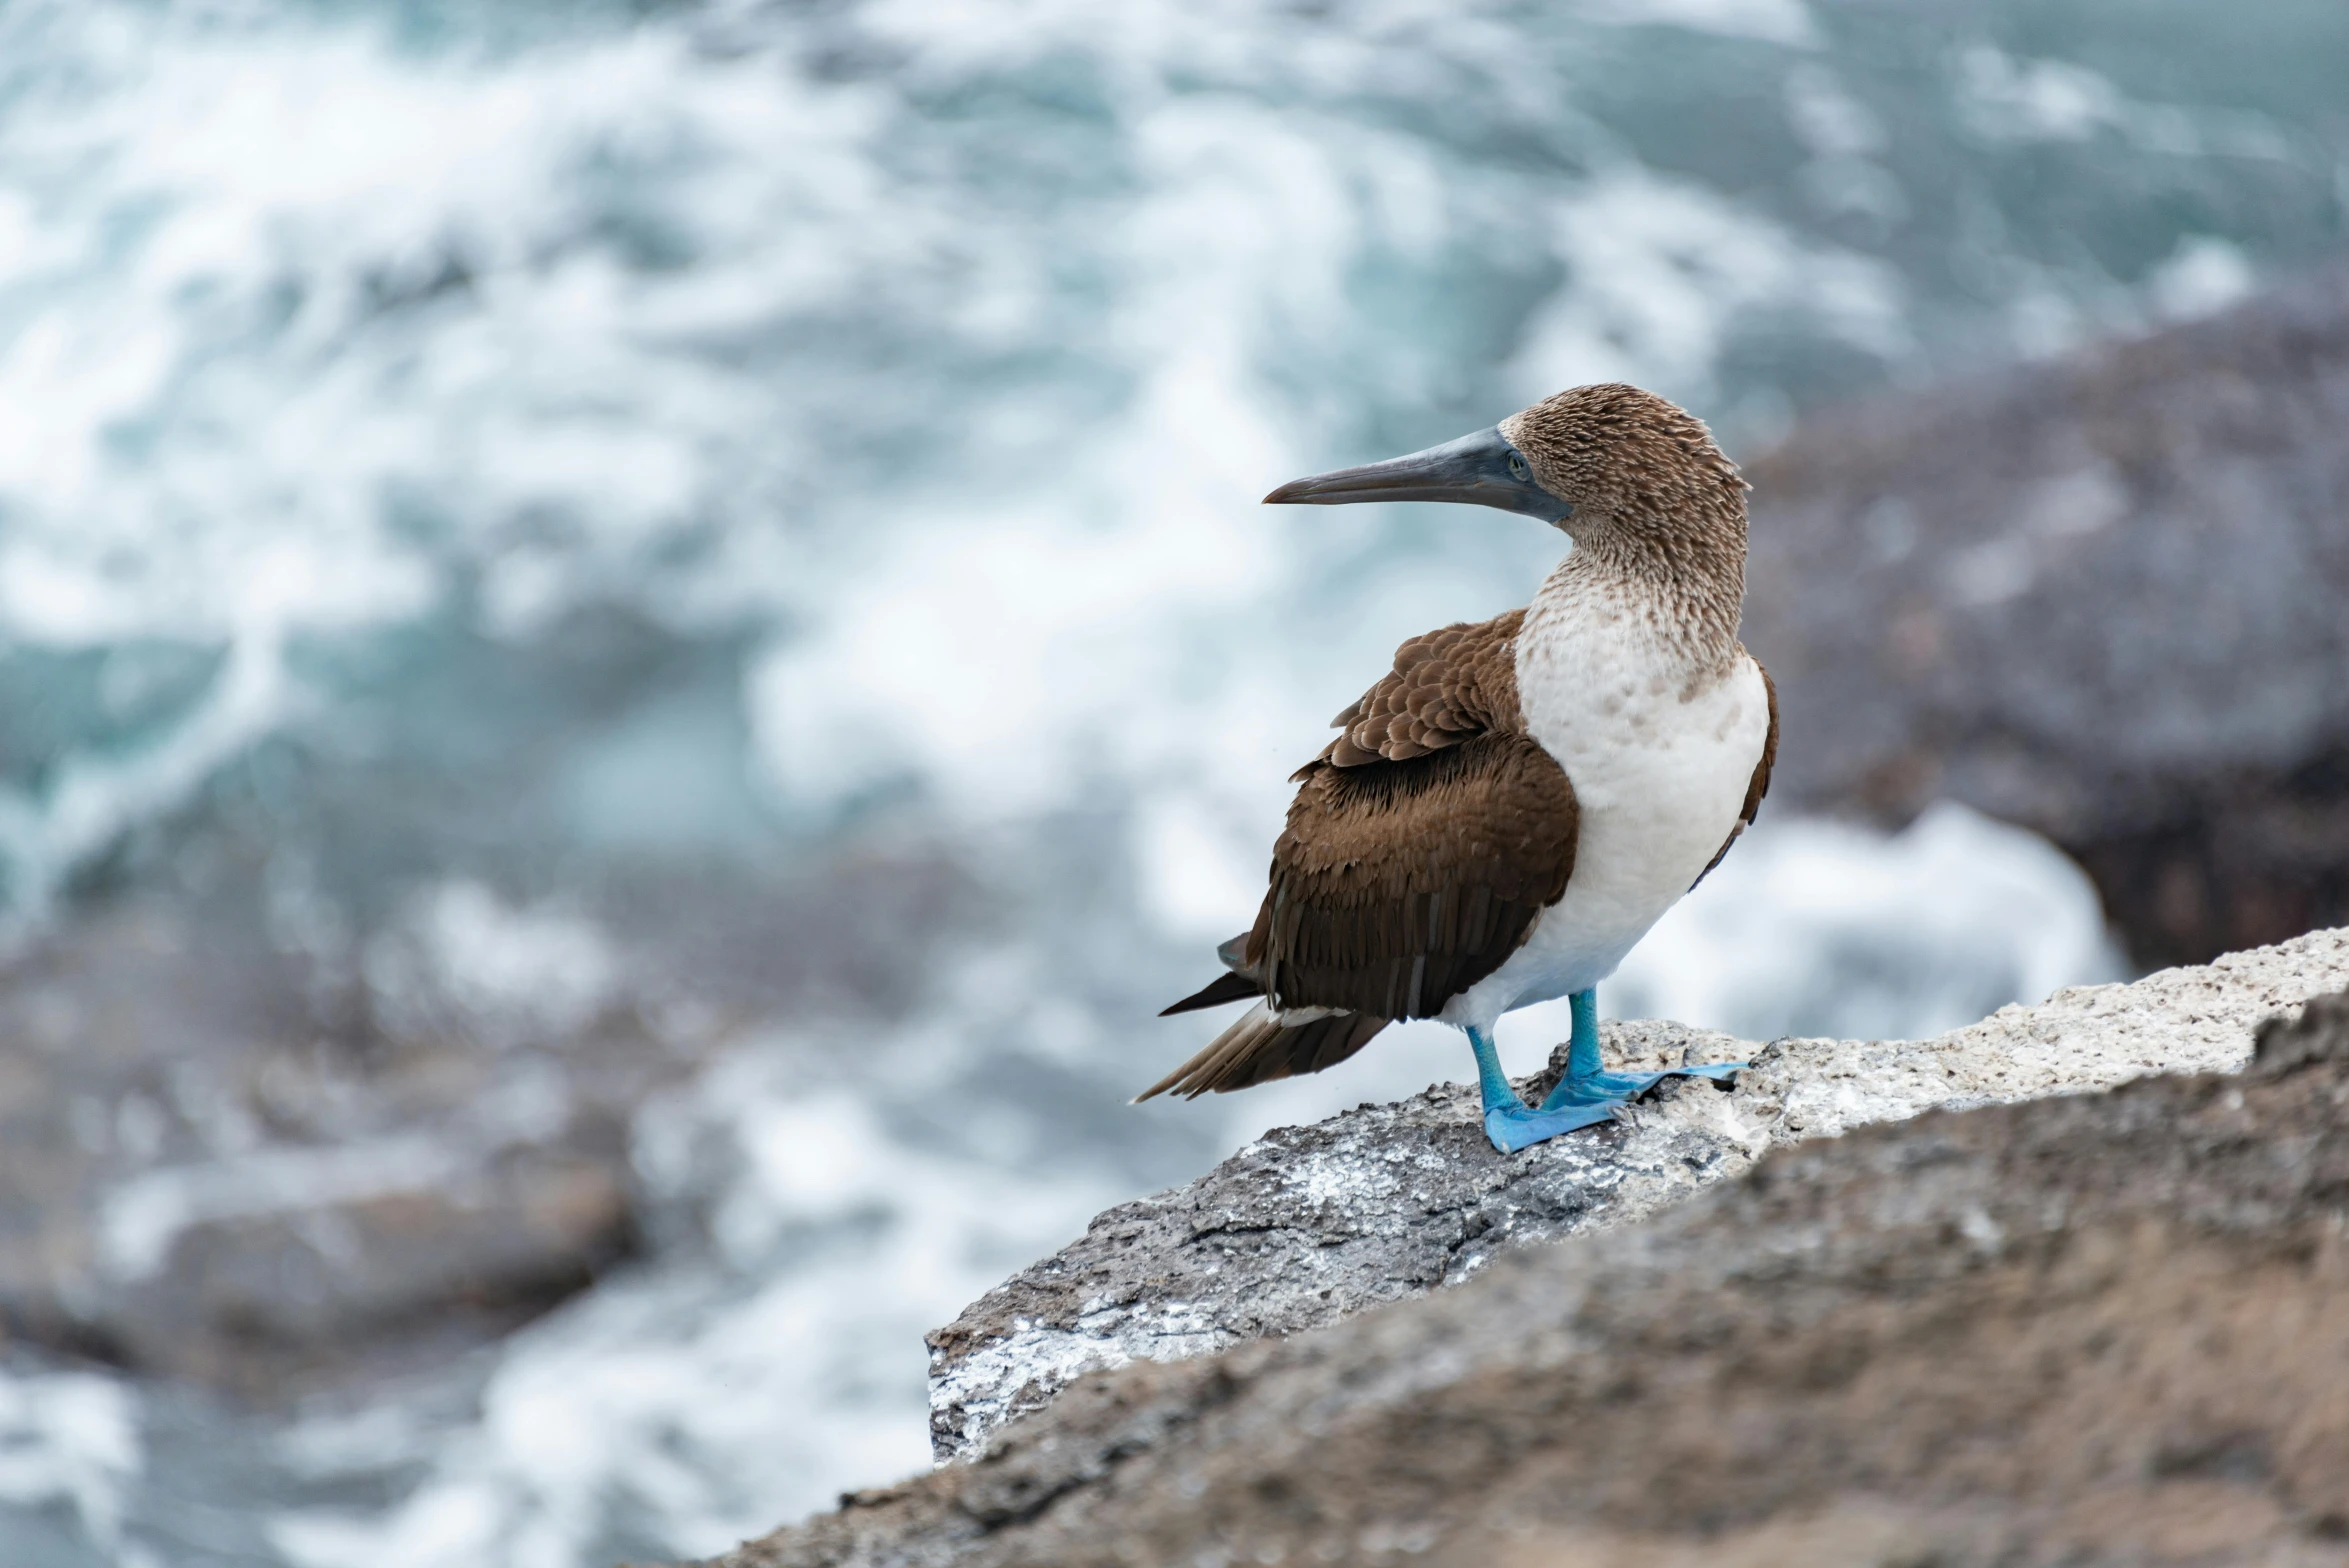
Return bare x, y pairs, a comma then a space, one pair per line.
878, 392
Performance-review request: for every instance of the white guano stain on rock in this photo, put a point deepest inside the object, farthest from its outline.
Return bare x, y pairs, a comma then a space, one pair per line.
1312, 1224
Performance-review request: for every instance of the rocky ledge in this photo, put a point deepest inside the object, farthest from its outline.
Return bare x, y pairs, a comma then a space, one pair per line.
1313, 1224
2095, 1329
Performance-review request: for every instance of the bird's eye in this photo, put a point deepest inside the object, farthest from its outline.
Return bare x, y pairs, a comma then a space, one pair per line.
1517, 468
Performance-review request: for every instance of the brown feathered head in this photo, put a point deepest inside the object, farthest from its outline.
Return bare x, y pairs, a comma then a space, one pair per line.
1630, 454
1593, 458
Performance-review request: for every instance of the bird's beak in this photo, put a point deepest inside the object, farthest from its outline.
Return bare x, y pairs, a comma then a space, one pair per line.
1480, 470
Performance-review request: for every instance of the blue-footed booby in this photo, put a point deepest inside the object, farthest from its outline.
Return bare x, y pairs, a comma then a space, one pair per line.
1512, 807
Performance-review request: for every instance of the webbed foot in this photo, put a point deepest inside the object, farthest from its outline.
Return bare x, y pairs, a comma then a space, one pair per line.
1514, 1127
1509, 1122
1609, 1090
1588, 1086
1585, 1097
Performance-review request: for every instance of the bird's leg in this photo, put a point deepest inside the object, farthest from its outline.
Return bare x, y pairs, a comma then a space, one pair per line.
1587, 1083
1509, 1121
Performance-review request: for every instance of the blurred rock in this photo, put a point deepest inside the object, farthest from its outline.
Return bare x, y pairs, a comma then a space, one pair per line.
2094, 1329
1312, 1224
271, 1166
2101, 597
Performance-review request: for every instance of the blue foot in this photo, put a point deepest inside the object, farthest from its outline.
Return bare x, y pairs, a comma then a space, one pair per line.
1514, 1127
1585, 1097
1508, 1121
1587, 1087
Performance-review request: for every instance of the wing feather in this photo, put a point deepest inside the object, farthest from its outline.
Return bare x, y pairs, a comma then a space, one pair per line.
1759, 785
1447, 686
1422, 845
1398, 885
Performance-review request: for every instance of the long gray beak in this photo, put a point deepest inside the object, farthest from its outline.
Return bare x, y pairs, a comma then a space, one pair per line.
1480, 470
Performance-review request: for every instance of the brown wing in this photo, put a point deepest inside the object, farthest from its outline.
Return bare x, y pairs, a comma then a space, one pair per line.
1398, 885
1760, 783
1446, 686
1421, 846
1395, 886
1424, 840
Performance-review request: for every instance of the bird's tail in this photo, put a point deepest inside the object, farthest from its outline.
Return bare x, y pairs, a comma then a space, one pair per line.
1262, 1045
1223, 988
1239, 981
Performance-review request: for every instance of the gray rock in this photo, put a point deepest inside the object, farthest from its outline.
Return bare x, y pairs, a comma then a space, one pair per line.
2098, 1329
1313, 1224
2098, 596
231, 1159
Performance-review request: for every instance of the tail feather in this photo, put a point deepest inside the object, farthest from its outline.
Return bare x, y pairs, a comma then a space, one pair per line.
1241, 984
1223, 988
1259, 1047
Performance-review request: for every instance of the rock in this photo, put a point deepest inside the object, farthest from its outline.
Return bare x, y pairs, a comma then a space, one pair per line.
2098, 596
2095, 1329
1313, 1224
229, 1159
197, 1185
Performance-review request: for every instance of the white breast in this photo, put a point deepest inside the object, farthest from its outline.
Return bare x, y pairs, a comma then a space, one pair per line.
1660, 767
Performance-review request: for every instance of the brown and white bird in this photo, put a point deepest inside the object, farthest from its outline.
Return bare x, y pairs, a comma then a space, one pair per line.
1511, 808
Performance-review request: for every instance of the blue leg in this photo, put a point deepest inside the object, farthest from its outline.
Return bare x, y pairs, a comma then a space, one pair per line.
1588, 1084
1507, 1120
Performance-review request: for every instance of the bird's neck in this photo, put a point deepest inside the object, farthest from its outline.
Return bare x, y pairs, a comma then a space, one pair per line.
1680, 591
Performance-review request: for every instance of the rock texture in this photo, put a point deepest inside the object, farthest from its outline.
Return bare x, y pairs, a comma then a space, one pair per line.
271, 1171
2092, 1329
1312, 1224
2044, 593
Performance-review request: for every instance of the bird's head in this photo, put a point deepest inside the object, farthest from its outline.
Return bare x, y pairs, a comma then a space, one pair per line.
1598, 458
